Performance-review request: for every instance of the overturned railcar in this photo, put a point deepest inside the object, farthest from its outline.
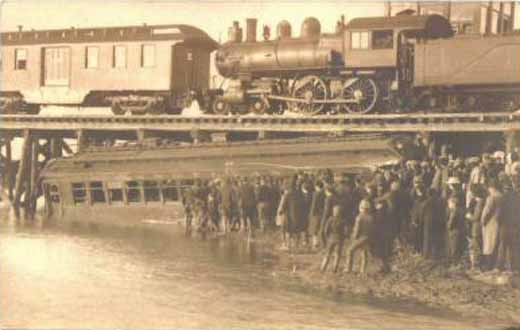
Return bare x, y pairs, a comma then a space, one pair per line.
135, 187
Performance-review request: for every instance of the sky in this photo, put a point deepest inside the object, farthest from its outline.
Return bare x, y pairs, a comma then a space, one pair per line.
212, 16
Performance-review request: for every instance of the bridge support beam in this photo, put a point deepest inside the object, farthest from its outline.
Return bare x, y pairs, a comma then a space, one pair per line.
56, 146
512, 141
141, 135
81, 140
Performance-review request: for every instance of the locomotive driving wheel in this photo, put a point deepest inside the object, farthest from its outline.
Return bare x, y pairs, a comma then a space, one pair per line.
309, 89
221, 107
364, 93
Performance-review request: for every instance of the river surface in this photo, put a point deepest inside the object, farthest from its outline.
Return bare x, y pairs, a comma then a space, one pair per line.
75, 279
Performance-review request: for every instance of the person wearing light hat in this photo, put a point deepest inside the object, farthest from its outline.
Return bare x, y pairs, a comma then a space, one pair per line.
454, 190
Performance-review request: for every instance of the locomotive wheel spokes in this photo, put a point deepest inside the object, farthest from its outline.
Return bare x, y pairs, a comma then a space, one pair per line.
364, 93
309, 89
259, 106
221, 107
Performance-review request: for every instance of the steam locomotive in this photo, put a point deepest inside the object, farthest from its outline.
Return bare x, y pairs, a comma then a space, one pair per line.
378, 63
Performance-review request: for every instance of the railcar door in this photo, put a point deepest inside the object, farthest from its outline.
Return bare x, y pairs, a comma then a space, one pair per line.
56, 70
184, 68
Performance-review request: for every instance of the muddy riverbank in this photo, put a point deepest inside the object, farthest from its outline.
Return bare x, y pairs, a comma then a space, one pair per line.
412, 280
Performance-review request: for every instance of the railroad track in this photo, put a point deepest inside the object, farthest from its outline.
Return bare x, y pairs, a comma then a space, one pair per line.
435, 122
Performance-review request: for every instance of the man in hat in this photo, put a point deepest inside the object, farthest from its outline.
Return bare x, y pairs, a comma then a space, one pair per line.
454, 190
316, 212
335, 230
454, 229
361, 237
473, 215
263, 199
331, 200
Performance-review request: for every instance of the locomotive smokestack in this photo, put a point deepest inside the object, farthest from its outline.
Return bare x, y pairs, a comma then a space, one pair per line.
235, 32
251, 30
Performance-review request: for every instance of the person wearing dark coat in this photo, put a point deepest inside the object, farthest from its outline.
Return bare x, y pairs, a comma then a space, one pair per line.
362, 236
291, 208
506, 233
228, 205
248, 206
473, 215
263, 204
335, 230
316, 212
427, 215
455, 232
330, 201
306, 195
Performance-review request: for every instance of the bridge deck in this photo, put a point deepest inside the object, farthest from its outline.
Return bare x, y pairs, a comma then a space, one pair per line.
438, 122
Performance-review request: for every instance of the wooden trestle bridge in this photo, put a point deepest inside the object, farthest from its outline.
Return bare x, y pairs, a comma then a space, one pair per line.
44, 135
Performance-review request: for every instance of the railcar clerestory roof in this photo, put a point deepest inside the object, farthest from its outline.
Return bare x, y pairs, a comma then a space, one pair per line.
179, 32
205, 161
431, 26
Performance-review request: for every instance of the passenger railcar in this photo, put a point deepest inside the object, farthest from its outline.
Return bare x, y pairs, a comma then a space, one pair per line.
136, 69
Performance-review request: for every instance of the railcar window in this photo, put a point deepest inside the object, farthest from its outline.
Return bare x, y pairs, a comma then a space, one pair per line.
169, 191
119, 58
115, 192
359, 40
147, 56
151, 191
97, 193
133, 191
91, 57
20, 59
383, 39
79, 193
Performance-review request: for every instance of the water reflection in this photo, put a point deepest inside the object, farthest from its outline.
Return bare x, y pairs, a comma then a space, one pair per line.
76, 278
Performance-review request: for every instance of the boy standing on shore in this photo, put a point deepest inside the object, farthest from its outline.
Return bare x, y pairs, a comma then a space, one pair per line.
361, 236
335, 231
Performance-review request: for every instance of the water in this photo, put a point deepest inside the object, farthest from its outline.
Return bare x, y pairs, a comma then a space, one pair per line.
106, 279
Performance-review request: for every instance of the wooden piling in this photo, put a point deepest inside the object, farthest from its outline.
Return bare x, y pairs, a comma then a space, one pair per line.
9, 167
33, 179
81, 140
56, 149
21, 175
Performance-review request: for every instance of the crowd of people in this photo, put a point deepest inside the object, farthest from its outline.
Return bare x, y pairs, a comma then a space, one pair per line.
463, 211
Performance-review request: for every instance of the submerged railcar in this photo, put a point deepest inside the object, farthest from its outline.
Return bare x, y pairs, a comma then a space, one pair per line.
136, 187
136, 69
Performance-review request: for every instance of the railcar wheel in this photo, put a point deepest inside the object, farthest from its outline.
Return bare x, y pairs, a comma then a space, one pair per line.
309, 89
362, 90
259, 107
221, 107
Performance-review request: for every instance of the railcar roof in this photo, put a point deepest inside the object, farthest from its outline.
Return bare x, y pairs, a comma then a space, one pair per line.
437, 25
207, 160
174, 32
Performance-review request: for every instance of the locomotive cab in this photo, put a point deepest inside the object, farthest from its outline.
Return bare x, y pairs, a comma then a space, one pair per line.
372, 42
